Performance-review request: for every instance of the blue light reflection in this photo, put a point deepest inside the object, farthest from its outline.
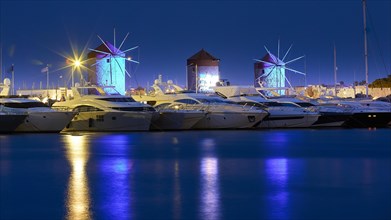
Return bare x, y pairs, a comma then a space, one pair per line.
116, 189
277, 176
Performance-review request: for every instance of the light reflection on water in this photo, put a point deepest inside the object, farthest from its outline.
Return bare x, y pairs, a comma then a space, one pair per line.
117, 200
210, 195
277, 174
177, 197
115, 171
285, 174
210, 192
78, 196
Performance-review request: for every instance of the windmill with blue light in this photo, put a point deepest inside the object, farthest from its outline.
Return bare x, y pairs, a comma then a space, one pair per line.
269, 72
107, 64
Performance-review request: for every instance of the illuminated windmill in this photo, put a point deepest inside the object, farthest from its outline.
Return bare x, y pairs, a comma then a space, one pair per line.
270, 70
107, 64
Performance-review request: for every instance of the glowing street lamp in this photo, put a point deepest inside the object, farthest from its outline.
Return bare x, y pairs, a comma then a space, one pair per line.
75, 63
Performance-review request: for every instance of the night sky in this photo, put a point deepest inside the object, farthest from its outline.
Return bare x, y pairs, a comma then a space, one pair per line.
36, 33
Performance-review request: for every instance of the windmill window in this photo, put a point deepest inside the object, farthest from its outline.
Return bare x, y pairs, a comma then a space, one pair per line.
108, 60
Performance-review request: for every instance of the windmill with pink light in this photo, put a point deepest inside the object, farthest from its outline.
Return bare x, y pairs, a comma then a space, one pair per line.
269, 72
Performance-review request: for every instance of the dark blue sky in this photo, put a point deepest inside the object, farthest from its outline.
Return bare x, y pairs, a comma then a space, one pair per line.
169, 32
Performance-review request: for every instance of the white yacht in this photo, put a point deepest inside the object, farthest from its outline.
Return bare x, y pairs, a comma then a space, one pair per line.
281, 114
219, 114
104, 109
39, 117
330, 115
365, 113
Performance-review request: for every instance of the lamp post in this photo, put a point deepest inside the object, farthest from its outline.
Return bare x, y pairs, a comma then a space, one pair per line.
47, 79
130, 82
13, 80
196, 73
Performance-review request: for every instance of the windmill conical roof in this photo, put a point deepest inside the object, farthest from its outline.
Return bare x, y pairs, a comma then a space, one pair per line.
113, 50
268, 58
202, 55
203, 58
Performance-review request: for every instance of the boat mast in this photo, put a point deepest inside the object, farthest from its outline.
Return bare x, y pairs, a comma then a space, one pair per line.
365, 47
1, 61
335, 71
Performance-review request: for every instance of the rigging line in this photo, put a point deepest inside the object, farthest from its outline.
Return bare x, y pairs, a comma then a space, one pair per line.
377, 41
135, 70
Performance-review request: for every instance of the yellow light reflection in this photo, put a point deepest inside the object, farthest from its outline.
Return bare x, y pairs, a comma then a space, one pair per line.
78, 197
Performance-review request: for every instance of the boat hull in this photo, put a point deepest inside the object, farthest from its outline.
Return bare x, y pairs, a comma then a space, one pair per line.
9, 122
230, 120
289, 121
368, 119
177, 120
330, 119
110, 121
50, 121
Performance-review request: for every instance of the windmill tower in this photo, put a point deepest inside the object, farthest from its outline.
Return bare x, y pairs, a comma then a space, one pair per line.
107, 65
202, 71
270, 70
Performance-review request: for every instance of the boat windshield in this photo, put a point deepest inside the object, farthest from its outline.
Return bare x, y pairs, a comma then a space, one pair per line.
187, 101
120, 99
305, 104
210, 100
97, 91
24, 104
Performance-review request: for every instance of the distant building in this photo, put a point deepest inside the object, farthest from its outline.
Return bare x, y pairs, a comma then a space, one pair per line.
107, 67
202, 71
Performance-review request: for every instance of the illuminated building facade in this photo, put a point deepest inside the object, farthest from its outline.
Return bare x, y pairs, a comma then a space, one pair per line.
107, 67
202, 71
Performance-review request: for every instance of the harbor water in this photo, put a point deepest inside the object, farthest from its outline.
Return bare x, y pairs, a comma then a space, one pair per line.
234, 174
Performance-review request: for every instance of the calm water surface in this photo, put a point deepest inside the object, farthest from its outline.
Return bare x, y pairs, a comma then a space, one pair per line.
263, 174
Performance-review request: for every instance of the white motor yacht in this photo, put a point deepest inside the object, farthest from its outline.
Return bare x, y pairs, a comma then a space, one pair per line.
219, 114
40, 117
104, 109
366, 113
281, 114
330, 116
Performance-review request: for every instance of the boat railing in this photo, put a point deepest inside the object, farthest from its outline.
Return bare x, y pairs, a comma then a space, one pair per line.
63, 108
